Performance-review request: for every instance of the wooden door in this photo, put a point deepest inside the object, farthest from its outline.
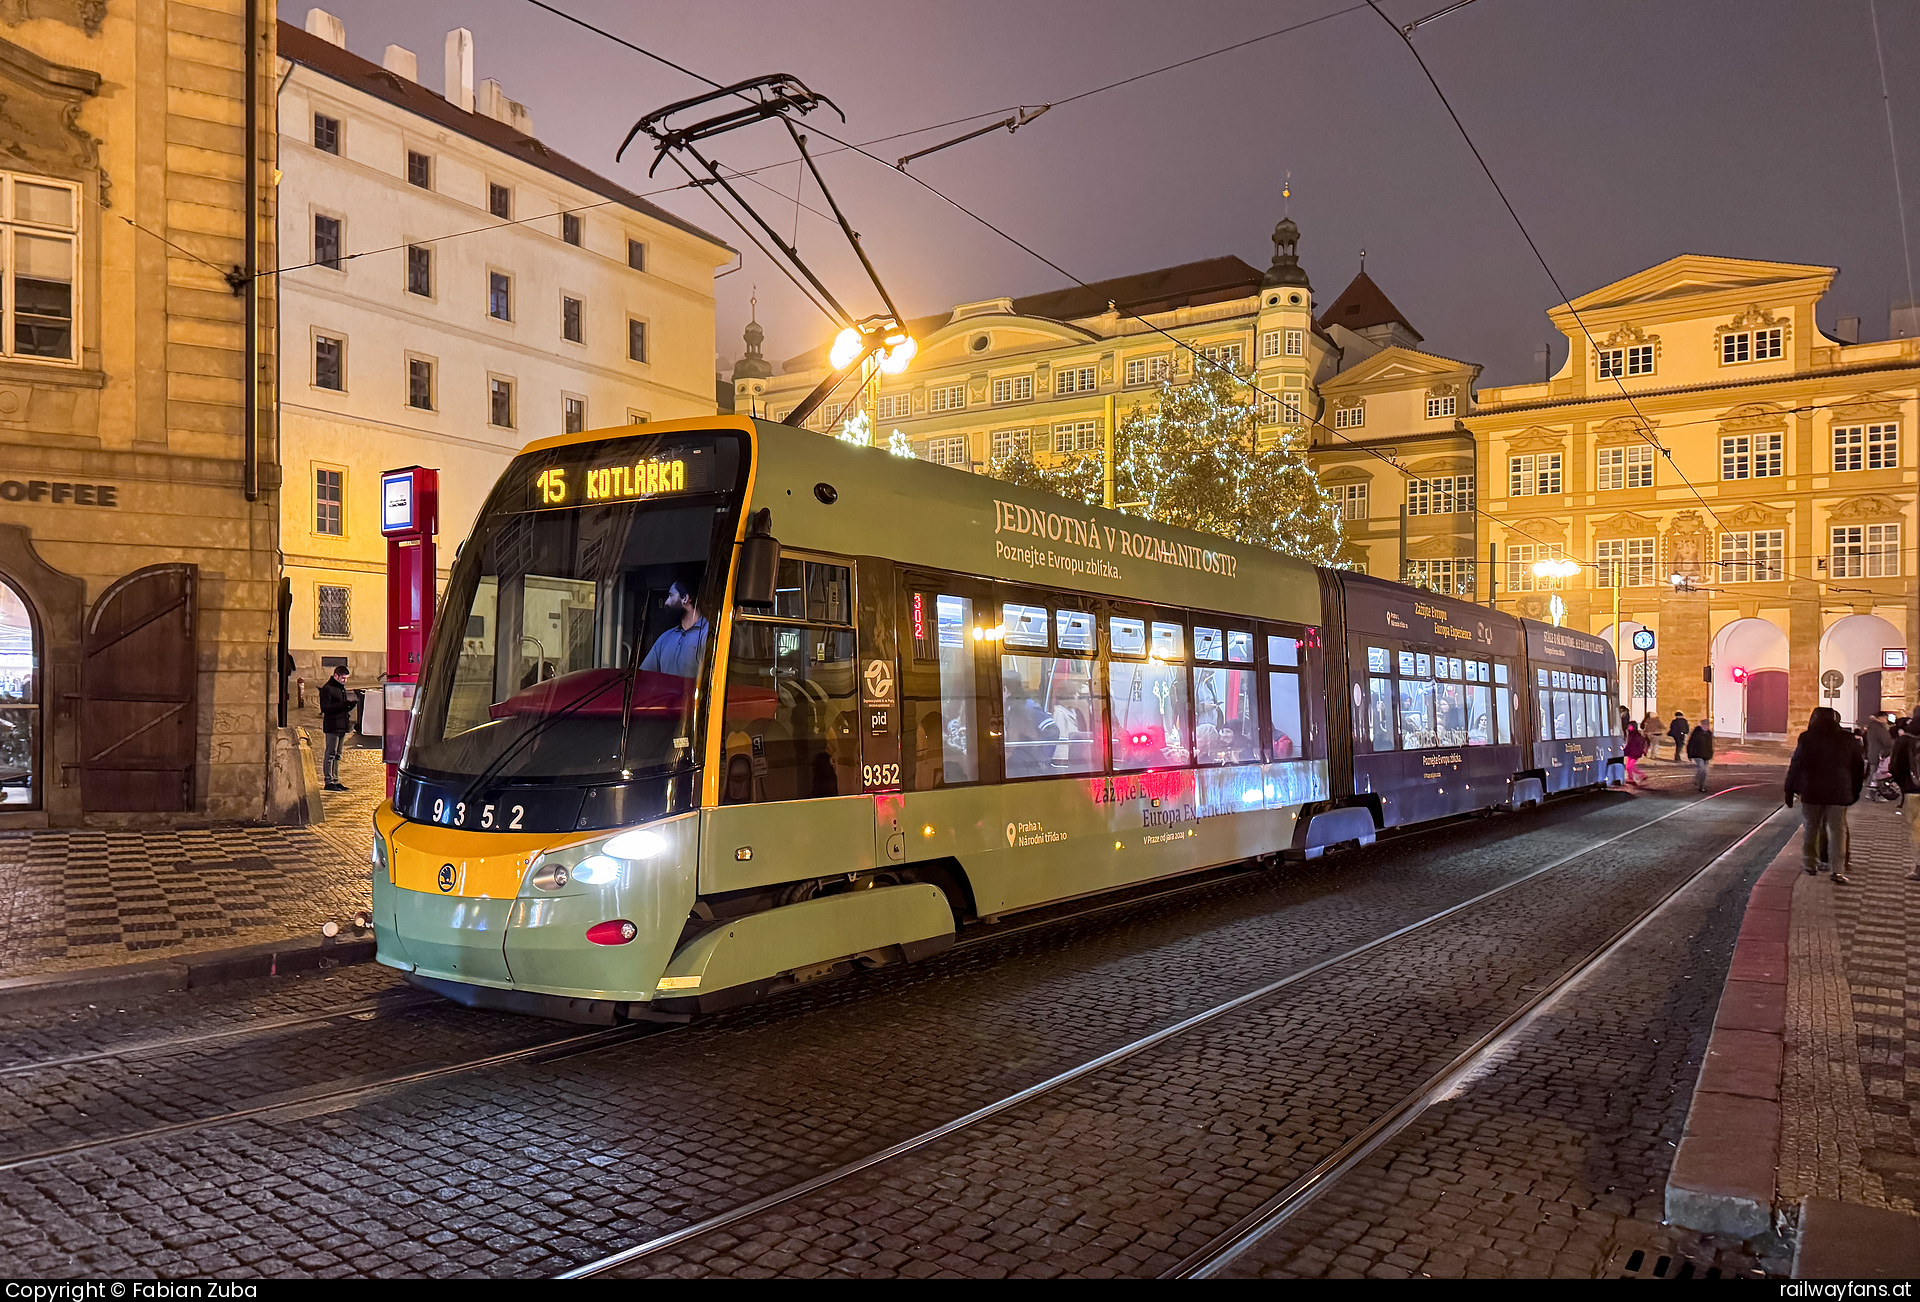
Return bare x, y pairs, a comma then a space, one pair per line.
1866, 697
139, 721
1767, 703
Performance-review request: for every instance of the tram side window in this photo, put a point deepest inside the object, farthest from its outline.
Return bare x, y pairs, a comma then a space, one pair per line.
790, 714
1226, 708
1417, 728
1288, 707
945, 740
1054, 713
1449, 704
1148, 712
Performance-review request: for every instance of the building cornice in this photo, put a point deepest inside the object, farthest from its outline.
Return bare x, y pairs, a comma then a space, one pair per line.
1639, 395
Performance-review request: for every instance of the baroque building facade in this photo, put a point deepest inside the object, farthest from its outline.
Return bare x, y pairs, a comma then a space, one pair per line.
455, 290
139, 494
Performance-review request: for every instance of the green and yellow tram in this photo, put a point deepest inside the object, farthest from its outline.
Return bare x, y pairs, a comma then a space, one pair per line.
718, 707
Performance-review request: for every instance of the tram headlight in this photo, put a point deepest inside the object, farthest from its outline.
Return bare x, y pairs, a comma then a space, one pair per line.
637, 844
597, 870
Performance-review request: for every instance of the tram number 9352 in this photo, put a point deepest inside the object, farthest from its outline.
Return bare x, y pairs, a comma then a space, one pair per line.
880, 775
489, 817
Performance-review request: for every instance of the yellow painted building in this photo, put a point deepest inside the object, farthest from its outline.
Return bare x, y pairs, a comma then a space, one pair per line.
1049, 373
138, 479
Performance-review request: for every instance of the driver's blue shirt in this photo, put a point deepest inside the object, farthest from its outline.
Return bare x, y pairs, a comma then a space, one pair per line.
678, 650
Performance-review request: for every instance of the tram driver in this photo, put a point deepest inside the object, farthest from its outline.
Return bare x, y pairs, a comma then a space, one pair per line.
678, 650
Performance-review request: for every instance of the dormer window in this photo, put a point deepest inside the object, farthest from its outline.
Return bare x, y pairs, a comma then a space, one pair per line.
1350, 417
1441, 408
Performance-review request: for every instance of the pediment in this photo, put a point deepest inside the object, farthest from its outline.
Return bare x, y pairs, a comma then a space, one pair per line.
1867, 406
1537, 438
42, 121
1540, 529
1396, 365
1696, 273
1428, 467
1752, 515
952, 343
1753, 416
1622, 429
1433, 549
1345, 474
1627, 524
1868, 506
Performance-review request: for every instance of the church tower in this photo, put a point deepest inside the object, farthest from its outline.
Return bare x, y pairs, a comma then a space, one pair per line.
750, 373
1285, 350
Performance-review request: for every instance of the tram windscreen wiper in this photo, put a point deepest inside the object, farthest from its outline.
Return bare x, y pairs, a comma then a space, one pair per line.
622, 678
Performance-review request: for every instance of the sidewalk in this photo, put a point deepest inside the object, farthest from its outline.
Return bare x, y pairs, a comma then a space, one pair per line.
87, 898
1805, 1122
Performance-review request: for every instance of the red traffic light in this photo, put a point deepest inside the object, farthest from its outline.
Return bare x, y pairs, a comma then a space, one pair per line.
1738, 674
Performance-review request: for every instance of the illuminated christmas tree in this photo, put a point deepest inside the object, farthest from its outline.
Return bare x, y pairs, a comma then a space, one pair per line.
1194, 458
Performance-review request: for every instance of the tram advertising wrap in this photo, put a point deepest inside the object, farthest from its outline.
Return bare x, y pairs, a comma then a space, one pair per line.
1430, 680
717, 708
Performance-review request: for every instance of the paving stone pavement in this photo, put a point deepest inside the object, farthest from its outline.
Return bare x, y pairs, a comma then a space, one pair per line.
1851, 1088
86, 897
526, 1170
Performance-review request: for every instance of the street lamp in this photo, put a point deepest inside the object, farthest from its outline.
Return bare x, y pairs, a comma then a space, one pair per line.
1559, 567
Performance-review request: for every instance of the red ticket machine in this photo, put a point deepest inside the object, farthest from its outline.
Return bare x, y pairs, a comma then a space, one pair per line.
409, 517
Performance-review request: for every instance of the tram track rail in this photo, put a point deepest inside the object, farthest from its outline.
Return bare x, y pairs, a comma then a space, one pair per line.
1377, 1133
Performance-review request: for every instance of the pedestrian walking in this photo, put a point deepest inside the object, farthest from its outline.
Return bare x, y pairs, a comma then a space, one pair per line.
1636, 747
1826, 773
1650, 728
1678, 730
1700, 751
336, 714
1904, 768
1879, 746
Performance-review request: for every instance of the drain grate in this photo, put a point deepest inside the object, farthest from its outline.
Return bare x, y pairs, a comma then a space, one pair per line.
1702, 1262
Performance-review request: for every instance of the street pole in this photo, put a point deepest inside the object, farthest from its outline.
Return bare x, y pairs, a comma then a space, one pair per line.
1106, 468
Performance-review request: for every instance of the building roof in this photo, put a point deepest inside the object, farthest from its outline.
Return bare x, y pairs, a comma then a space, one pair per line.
1362, 304
330, 60
1190, 284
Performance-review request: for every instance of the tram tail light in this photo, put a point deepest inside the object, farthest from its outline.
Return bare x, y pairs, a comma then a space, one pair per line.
617, 932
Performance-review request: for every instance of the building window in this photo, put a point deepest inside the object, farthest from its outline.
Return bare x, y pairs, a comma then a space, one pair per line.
1751, 456
1290, 407
1267, 408
1625, 467
500, 201
1520, 562
1866, 551
1296, 343
948, 450
500, 402
499, 296
420, 270
1148, 370
1630, 557
952, 397
1452, 577
37, 238
1270, 343
1440, 408
326, 133
637, 417
636, 255
1753, 557
326, 241
1866, 447
329, 363
420, 383
1616, 362
334, 619
1007, 442
419, 170
1446, 495
1076, 379
1013, 388
1537, 475
570, 227
571, 314
1350, 417
636, 341
1352, 499
329, 503
1230, 356
1076, 436
896, 406
573, 415
1751, 346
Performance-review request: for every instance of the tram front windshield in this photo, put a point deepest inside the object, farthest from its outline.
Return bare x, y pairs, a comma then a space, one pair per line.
574, 634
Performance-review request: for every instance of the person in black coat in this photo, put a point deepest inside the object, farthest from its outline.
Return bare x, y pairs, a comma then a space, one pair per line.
1677, 730
1826, 773
336, 719
1700, 751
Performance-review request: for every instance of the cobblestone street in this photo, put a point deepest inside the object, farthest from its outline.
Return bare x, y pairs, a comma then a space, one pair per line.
343, 1124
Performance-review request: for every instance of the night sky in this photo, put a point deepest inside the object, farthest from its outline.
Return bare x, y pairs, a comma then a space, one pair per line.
1624, 132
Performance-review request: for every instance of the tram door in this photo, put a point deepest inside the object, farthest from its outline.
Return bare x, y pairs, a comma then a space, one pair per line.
879, 715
